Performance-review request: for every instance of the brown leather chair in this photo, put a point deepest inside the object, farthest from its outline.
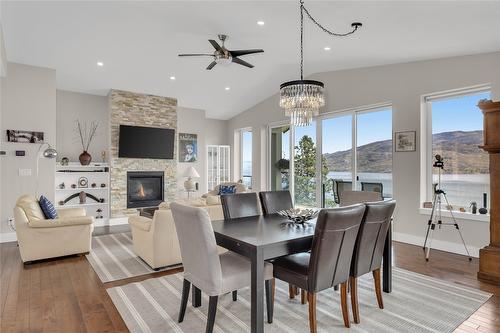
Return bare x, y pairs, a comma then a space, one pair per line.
369, 249
240, 205
274, 201
329, 261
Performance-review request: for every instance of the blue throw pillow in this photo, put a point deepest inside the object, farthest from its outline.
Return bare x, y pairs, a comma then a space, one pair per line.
48, 208
227, 189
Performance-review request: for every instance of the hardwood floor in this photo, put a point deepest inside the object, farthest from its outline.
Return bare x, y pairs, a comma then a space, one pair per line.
65, 295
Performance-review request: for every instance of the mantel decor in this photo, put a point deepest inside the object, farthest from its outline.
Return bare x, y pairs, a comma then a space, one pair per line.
302, 99
489, 256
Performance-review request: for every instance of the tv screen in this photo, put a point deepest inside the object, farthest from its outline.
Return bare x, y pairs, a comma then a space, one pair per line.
146, 142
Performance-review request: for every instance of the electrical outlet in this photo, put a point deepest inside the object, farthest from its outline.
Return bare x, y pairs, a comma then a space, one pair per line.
24, 172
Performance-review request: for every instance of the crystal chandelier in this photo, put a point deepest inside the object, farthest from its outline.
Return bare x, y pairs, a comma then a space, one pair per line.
302, 99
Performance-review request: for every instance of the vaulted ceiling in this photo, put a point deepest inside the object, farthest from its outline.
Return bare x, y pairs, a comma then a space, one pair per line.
138, 42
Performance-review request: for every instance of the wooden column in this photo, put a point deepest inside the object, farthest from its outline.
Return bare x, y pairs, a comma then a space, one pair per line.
489, 256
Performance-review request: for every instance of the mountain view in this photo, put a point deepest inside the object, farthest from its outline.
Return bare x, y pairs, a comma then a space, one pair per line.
459, 149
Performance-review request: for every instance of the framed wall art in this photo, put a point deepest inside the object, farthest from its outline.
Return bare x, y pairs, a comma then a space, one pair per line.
405, 141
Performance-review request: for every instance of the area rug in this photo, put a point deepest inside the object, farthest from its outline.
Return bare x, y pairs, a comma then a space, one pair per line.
112, 258
417, 304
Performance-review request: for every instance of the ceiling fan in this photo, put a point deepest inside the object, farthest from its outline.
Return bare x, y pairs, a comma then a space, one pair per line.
224, 56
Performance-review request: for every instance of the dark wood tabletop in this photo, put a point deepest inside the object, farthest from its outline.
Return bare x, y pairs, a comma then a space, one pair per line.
260, 238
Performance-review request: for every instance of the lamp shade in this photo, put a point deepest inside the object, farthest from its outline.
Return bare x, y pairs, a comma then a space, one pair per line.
191, 172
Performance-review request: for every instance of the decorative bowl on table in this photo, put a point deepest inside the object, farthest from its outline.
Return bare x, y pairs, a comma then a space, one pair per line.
299, 216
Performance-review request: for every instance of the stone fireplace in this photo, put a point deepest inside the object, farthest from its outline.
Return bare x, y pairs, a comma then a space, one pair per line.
144, 188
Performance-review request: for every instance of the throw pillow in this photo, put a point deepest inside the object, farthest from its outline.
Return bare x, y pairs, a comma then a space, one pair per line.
227, 189
48, 208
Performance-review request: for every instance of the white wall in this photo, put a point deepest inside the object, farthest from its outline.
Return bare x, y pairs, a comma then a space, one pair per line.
403, 85
28, 102
73, 106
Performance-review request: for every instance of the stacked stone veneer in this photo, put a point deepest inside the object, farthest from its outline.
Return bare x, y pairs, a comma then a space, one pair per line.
128, 108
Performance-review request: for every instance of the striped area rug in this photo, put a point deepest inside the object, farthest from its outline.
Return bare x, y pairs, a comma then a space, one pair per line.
417, 304
112, 258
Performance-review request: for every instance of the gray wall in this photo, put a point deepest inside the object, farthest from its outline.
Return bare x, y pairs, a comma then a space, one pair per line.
28, 99
403, 85
73, 106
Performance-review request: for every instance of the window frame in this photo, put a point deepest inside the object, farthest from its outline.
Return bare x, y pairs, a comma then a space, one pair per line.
426, 154
240, 132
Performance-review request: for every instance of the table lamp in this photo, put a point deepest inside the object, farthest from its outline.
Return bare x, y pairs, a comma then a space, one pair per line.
190, 173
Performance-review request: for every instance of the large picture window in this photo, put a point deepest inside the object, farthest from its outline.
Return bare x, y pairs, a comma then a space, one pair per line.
455, 130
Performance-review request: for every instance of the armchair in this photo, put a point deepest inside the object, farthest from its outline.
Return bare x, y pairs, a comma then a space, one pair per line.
39, 238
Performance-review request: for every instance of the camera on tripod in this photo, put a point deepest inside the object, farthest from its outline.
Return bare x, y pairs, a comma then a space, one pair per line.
439, 162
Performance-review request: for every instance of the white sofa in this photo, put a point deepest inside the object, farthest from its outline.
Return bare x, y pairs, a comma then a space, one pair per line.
155, 240
39, 238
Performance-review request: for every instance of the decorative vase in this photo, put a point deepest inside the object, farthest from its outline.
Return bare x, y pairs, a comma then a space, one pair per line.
85, 158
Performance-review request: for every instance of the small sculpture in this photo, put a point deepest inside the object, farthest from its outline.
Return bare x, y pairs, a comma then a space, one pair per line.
62, 186
483, 210
64, 161
473, 206
83, 197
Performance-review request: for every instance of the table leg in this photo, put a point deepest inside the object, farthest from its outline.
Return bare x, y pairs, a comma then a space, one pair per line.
196, 297
387, 262
257, 317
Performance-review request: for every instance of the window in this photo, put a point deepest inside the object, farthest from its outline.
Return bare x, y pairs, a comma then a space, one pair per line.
279, 168
246, 157
454, 131
304, 175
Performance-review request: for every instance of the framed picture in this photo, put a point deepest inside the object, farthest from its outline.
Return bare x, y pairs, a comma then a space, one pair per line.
188, 147
24, 136
405, 141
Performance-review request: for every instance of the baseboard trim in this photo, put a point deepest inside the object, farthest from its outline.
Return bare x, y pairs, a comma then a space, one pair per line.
6, 237
437, 244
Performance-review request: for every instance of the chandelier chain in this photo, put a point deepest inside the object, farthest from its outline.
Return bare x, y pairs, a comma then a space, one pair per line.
331, 33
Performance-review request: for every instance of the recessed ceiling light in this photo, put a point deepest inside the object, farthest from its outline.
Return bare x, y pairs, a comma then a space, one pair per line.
261, 22
100, 63
227, 88
172, 78
327, 48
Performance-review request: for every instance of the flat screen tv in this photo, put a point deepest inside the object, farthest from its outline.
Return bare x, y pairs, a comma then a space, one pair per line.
146, 142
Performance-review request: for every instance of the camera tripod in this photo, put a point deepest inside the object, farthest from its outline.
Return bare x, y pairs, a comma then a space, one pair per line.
436, 214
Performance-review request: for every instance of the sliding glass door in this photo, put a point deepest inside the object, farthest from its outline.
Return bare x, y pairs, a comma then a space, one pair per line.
369, 164
304, 166
374, 151
279, 168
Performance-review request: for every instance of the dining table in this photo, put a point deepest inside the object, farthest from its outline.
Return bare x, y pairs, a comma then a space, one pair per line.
264, 237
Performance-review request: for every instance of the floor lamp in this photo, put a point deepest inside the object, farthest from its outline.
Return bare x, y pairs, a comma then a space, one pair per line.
49, 152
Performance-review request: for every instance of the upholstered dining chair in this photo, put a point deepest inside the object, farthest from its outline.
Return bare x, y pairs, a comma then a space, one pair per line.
369, 249
240, 205
210, 272
329, 261
348, 198
274, 201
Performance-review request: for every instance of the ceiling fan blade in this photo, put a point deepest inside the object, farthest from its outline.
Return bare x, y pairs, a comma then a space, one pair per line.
242, 62
215, 44
237, 53
195, 55
212, 64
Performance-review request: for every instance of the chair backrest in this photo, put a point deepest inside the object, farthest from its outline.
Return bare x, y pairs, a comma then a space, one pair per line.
372, 187
348, 198
198, 247
369, 247
273, 201
340, 186
333, 245
240, 205
31, 208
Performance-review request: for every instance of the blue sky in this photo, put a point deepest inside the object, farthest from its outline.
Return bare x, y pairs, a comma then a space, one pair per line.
447, 115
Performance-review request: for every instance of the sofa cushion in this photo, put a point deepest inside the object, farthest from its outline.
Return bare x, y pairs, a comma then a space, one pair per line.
140, 222
212, 200
227, 189
31, 207
48, 208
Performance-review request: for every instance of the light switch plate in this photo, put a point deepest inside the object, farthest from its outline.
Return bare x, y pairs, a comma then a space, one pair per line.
24, 172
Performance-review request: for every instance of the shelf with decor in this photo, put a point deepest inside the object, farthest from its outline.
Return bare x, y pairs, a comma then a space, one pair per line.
86, 186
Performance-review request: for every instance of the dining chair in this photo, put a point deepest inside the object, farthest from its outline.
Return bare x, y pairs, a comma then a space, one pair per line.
369, 249
339, 186
240, 205
329, 261
372, 187
210, 272
274, 201
348, 198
